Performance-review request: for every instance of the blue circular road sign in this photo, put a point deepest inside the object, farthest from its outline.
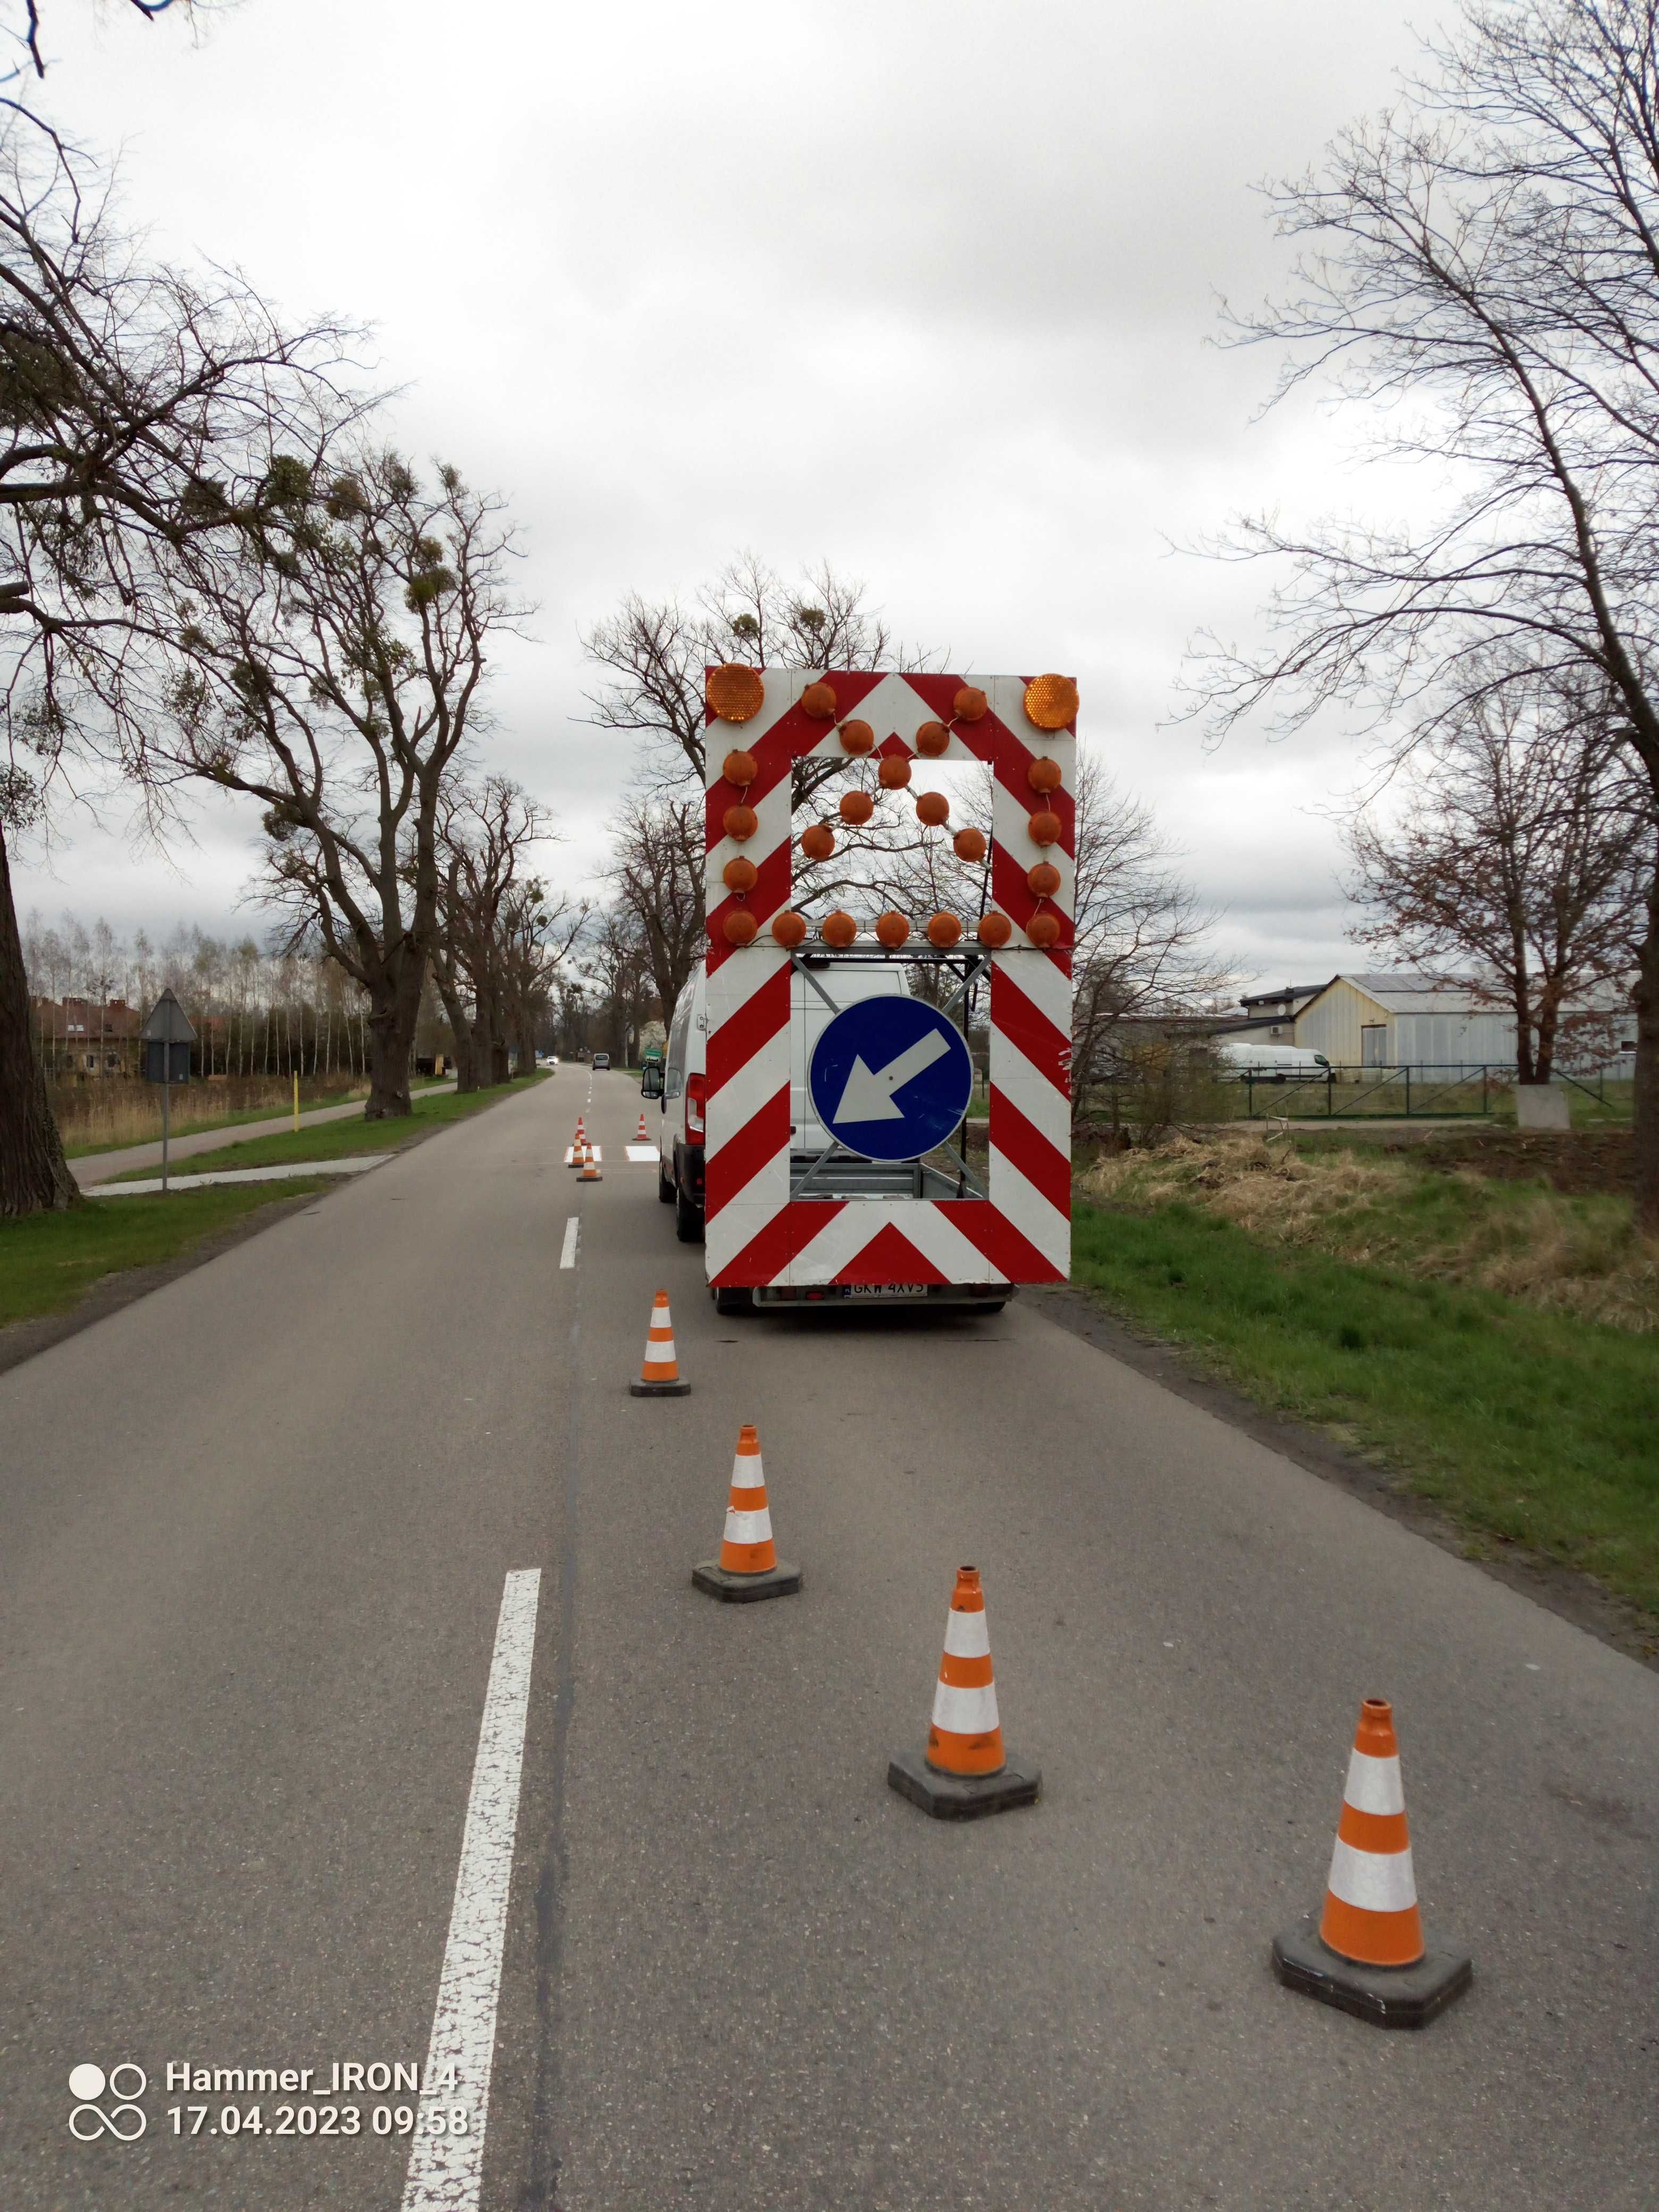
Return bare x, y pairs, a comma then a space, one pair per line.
891, 1077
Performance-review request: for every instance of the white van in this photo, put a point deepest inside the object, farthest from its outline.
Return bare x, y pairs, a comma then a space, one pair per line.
680, 1132
821, 988
1248, 1060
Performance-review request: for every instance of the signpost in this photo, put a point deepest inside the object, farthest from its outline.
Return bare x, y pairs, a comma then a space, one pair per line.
891, 1079
167, 1037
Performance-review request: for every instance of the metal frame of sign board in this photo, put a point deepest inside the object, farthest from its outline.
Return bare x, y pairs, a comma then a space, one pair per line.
758, 1232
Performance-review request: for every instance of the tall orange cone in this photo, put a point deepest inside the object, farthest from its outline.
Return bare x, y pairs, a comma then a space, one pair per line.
966, 1770
573, 1159
660, 1375
748, 1566
641, 1135
1367, 1954
591, 1170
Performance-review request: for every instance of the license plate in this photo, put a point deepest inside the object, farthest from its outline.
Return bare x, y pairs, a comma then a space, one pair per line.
886, 1290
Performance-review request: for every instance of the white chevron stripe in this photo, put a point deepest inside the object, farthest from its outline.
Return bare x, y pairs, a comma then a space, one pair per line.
1043, 981
1023, 1204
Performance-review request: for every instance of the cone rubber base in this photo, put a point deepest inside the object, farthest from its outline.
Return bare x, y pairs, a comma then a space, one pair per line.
962, 1796
781, 1580
680, 1389
1388, 1997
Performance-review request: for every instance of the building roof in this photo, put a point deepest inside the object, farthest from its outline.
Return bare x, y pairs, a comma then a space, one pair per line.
1285, 991
1398, 992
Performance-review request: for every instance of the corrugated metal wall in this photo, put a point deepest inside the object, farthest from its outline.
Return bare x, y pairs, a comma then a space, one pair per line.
1334, 1022
1330, 1022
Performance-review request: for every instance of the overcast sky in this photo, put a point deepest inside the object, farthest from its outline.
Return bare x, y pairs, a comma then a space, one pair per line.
923, 286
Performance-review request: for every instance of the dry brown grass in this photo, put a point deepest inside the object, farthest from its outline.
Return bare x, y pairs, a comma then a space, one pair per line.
101, 1117
1573, 1253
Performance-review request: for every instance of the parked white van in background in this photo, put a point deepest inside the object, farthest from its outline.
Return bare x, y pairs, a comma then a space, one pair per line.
1247, 1060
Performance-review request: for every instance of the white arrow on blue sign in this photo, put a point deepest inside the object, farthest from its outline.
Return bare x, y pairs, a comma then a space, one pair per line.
891, 1077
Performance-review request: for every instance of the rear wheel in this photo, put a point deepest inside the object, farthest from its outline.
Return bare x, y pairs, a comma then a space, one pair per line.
665, 1184
688, 1219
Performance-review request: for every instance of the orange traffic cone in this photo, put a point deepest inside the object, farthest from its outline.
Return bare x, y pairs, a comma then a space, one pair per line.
966, 1771
573, 1159
591, 1170
749, 1566
660, 1375
1369, 1955
641, 1135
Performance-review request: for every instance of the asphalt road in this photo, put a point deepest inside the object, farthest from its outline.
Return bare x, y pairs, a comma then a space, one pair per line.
255, 1536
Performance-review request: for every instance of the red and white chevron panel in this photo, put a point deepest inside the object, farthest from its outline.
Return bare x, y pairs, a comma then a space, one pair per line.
756, 1233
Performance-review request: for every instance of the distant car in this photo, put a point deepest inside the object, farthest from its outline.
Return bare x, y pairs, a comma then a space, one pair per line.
1243, 1061
601, 1059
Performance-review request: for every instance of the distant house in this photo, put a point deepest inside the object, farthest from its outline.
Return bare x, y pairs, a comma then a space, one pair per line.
88, 1036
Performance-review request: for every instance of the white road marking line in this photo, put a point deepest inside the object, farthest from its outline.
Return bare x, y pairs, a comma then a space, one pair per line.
571, 1230
445, 2172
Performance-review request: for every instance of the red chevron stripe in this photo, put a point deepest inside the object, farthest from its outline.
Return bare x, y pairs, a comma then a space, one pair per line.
735, 1042
1023, 1146
1026, 1026
1014, 1257
789, 1231
1010, 890
770, 894
890, 1257
741, 1158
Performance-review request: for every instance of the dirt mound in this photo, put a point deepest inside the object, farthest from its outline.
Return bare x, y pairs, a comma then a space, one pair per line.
1581, 1163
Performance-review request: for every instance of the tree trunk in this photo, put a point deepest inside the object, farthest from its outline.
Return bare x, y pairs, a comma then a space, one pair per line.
392, 1039
34, 1177
526, 1046
1646, 1135
466, 1060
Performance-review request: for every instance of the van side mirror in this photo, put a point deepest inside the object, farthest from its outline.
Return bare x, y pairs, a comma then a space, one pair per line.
651, 1079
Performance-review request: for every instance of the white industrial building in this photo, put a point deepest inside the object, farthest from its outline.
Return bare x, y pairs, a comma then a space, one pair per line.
1391, 1021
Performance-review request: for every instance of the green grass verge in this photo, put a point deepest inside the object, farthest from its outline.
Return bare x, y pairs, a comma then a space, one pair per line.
341, 1139
1525, 1426
49, 1261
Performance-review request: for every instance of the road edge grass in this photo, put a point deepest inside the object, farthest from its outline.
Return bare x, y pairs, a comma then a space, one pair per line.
1527, 1429
121, 1248
61, 1272
344, 1139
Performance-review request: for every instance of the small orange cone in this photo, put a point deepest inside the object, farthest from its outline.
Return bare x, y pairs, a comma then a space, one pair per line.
1369, 1955
749, 1566
660, 1375
966, 1770
641, 1135
591, 1170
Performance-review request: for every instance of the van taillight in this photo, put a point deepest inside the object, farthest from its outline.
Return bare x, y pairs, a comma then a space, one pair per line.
696, 1096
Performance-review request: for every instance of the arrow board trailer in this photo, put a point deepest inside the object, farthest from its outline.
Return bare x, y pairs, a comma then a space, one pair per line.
825, 1098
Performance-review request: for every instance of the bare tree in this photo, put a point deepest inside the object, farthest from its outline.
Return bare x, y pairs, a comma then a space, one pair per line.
498, 933
1524, 850
25, 26
138, 411
655, 653
658, 876
332, 668
1482, 276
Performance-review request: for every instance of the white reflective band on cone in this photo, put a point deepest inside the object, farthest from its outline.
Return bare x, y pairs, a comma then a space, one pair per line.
748, 1528
1372, 1881
1373, 1785
658, 1355
965, 1712
746, 1472
967, 1635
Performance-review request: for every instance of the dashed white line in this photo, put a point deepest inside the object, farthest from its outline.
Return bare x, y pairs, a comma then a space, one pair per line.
572, 1230
445, 2172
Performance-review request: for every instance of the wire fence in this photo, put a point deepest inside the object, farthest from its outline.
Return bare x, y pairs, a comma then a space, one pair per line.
1417, 1091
